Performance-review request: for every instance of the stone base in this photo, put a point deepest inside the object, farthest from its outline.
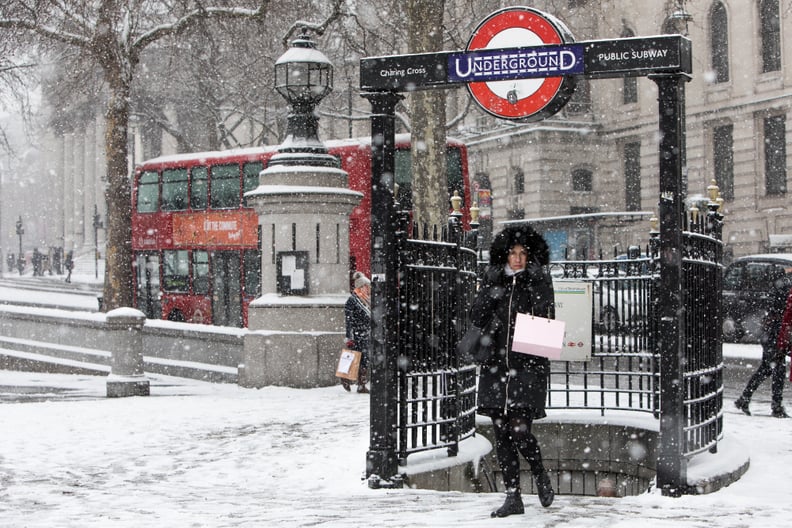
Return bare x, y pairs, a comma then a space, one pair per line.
290, 359
123, 387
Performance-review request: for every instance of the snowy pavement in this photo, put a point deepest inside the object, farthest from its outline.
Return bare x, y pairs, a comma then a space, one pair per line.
196, 454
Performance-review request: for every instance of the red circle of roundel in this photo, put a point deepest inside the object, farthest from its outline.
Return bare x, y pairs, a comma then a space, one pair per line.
506, 19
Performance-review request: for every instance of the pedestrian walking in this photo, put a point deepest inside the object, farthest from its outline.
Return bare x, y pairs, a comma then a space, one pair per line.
512, 387
357, 315
36, 262
775, 345
69, 265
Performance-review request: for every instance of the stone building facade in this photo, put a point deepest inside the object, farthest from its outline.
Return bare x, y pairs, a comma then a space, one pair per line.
600, 155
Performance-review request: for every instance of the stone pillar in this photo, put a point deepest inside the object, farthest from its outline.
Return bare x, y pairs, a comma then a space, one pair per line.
125, 340
294, 339
89, 186
78, 191
68, 192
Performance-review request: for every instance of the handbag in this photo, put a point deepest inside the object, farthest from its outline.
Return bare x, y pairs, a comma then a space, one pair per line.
348, 364
475, 346
538, 336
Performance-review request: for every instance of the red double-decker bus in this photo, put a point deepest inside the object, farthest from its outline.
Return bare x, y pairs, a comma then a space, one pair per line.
196, 243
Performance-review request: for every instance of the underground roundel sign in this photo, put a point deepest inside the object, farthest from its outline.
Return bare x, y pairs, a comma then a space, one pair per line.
525, 99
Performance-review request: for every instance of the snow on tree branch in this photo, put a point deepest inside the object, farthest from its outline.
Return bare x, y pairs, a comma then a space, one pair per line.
319, 29
199, 14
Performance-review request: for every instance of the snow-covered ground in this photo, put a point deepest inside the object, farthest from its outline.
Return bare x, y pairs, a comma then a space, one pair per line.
196, 454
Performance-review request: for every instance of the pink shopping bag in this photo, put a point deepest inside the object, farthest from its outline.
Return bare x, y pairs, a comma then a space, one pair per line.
538, 336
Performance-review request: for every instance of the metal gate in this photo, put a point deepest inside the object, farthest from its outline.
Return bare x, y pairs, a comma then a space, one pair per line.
437, 394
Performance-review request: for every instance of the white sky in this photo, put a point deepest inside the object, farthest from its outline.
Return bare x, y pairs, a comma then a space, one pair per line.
196, 454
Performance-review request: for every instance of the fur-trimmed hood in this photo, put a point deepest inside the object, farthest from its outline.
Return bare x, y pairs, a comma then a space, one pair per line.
526, 236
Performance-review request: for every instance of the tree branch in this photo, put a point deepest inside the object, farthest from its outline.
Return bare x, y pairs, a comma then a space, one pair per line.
45, 31
199, 14
319, 29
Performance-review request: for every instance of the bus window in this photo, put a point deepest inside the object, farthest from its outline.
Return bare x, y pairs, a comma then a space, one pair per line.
251, 175
174, 189
148, 284
200, 272
175, 271
200, 186
225, 187
252, 265
148, 192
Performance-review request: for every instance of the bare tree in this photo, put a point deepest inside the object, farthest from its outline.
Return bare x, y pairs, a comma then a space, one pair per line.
16, 74
114, 33
428, 108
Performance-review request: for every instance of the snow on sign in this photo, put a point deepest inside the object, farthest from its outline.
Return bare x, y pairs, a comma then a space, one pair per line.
524, 99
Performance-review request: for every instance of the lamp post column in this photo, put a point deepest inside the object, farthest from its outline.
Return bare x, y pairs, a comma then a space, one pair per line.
20, 230
381, 459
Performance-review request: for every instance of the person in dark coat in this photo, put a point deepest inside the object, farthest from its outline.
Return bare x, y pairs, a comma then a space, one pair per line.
357, 315
512, 388
774, 349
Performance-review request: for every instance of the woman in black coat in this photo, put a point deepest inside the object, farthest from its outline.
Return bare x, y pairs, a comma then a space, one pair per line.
513, 386
357, 315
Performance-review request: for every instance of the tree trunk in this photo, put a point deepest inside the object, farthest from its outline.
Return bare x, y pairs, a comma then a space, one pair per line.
119, 283
427, 115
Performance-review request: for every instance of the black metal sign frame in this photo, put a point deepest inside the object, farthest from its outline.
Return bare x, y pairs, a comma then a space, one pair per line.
596, 59
665, 59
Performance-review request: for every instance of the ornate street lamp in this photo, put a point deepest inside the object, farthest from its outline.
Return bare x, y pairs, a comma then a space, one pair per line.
303, 76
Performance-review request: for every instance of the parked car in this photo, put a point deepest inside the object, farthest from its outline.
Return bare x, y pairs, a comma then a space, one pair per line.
747, 283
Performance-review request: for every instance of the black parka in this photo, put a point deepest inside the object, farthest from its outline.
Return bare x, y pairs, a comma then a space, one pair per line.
512, 380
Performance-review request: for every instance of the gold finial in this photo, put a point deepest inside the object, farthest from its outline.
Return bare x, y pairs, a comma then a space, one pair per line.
456, 202
474, 213
694, 212
713, 191
719, 200
654, 224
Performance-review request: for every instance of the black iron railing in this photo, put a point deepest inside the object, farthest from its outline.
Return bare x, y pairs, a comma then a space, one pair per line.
623, 372
437, 395
702, 371
437, 282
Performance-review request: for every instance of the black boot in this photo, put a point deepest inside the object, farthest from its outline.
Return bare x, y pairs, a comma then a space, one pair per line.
742, 404
544, 489
779, 412
362, 380
512, 505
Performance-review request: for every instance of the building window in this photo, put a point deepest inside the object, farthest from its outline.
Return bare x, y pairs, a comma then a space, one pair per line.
629, 84
770, 37
580, 102
519, 180
723, 154
775, 154
581, 180
719, 42
632, 176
